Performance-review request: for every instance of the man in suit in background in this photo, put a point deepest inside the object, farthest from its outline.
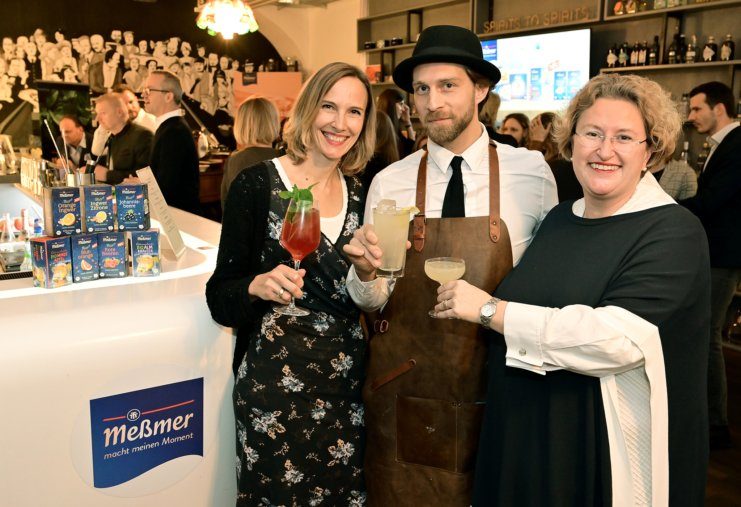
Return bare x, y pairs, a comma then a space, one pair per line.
718, 206
77, 140
174, 158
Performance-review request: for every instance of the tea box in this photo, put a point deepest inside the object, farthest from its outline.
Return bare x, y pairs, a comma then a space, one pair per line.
62, 213
51, 260
97, 208
145, 252
132, 207
112, 254
84, 257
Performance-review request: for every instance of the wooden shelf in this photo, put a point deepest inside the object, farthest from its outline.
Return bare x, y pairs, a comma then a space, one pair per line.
670, 10
388, 48
673, 66
402, 12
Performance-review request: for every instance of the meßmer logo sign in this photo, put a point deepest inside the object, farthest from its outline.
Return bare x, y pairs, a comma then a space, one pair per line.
136, 431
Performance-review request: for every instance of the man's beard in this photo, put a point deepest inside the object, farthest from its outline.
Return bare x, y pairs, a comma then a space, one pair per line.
445, 134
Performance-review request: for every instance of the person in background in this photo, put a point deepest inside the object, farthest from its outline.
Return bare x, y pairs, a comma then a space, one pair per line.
598, 358
676, 178
297, 400
137, 116
386, 151
518, 126
129, 146
488, 111
480, 200
717, 204
391, 102
541, 139
174, 158
78, 142
134, 77
256, 127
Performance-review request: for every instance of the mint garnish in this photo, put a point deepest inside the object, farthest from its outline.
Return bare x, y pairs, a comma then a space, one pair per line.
298, 194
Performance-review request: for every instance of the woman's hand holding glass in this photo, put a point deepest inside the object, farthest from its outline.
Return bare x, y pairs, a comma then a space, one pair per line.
278, 285
461, 300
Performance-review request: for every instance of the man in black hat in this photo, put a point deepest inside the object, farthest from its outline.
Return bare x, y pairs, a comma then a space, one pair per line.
480, 201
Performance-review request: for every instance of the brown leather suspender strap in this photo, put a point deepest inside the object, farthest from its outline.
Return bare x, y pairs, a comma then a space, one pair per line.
494, 217
418, 225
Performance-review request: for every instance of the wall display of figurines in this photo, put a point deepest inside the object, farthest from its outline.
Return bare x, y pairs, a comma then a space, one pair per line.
680, 50
623, 7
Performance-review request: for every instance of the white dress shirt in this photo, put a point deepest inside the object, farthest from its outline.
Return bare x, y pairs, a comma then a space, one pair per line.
146, 120
717, 138
175, 113
527, 192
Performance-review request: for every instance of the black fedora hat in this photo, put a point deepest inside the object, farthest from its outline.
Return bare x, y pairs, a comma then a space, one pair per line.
446, 44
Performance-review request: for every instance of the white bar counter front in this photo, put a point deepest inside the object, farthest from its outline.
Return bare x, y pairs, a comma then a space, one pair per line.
118, 392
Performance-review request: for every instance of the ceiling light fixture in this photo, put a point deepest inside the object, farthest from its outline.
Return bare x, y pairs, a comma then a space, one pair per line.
227, 17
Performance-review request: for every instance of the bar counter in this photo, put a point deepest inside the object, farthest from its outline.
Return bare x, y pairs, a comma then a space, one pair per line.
141, 352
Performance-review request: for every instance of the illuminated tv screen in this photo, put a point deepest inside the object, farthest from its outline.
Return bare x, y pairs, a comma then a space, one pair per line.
539, 72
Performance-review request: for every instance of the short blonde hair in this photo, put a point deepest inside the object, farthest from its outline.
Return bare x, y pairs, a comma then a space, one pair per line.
257, 122
116, 101
299, 134
660, 116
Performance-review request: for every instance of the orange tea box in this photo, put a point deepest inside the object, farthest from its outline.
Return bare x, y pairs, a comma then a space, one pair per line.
62, 214
84, 257
112, 254
52, 262
145, 252
97, 208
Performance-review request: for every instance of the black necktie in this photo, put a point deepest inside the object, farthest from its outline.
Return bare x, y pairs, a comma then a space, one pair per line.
453, 205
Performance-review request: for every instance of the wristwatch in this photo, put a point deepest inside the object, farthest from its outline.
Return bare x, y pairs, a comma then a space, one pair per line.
488, 310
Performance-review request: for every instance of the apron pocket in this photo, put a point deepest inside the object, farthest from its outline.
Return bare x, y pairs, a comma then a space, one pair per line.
438, 433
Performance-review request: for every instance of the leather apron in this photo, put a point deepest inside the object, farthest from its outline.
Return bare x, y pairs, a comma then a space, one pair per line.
426, 382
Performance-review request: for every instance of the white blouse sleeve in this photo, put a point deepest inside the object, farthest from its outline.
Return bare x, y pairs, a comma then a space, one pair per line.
369, 296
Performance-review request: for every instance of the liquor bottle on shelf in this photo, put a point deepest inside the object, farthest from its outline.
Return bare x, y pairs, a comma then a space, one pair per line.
681, 48
643, 54
643, 6
684, 106
710, 50
685, 155
631, 6
623, 55
619, 8
612, 56
727, 49
671, 53
702, 157
634, 54
690, 54
674, 3
659, 4
653, 53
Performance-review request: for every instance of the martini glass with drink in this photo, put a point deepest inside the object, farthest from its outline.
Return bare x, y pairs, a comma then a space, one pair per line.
300, 236
444, 270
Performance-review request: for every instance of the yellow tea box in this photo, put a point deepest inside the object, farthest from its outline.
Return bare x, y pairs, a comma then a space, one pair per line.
97, 208
84, 257
112, 254
62, 213
132, 207
145, 252
52, 262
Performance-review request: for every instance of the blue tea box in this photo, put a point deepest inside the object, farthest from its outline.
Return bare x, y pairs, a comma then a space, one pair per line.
145, 252
97, 208
62, 213
52, 262
112, 254
132, 207
85, 266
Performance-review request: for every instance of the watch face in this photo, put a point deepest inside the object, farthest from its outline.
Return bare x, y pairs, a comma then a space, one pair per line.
487, 310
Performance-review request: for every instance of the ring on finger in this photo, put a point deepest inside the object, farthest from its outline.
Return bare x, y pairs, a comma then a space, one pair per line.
281, 291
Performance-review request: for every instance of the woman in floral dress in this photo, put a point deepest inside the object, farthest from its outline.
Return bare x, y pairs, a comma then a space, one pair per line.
297, 396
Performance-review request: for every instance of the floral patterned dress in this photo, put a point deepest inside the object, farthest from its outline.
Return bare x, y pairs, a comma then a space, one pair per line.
297, 397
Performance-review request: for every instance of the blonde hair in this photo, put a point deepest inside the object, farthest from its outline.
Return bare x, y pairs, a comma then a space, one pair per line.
660, 116
256, 122
489, 108
115, 100
299, 133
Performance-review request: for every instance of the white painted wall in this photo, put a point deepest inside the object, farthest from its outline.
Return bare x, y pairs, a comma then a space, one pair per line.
314, 36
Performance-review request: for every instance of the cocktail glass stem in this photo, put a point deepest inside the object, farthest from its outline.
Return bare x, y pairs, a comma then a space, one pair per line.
292, 306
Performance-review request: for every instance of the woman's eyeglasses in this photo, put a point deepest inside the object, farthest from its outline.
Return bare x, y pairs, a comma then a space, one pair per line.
620, 142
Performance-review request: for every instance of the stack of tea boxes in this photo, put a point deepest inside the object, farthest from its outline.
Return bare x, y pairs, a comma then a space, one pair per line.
94, 232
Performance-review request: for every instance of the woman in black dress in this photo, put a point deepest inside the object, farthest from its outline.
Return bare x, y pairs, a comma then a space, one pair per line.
297, 396
598, 358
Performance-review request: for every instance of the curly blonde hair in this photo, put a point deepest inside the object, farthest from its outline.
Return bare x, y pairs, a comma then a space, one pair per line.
299, 134
660, 116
